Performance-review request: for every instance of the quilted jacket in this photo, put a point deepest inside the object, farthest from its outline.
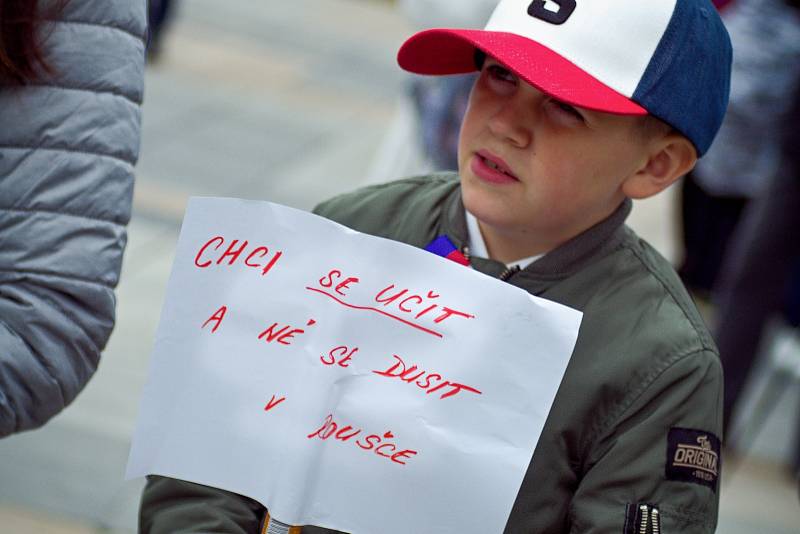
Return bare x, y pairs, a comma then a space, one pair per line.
68, 145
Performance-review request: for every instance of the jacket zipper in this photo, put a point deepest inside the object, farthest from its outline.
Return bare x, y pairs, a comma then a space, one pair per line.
656, 521
645, 519
504, 276
508, 273
649, 519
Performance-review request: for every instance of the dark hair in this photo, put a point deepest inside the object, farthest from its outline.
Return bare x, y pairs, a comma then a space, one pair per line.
21, 56
479, 58
651, 127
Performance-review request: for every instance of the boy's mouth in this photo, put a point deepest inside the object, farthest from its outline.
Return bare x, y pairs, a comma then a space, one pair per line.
492, 168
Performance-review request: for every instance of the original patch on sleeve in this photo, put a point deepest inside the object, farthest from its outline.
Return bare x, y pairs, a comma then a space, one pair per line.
693, 456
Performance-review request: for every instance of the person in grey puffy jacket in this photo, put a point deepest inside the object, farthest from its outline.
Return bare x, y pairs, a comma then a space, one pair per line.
71, 85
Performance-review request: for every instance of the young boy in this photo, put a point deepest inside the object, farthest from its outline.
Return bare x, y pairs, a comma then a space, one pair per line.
580, 106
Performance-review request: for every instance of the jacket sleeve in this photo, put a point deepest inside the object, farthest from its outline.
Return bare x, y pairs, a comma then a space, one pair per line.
171, 506
640, 459
67, 149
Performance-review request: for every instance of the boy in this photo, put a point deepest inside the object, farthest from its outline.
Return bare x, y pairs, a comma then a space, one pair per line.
579, 107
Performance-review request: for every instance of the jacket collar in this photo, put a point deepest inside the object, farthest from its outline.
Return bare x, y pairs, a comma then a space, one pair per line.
557, 264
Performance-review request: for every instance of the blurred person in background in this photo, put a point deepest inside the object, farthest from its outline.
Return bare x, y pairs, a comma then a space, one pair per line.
71, 84
441, 102
745, 154
159, 15
424, 133
761, 273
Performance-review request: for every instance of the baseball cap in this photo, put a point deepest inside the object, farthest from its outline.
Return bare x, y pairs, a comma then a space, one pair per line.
668, 58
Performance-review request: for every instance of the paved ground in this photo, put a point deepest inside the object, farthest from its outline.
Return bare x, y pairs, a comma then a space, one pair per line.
286, 103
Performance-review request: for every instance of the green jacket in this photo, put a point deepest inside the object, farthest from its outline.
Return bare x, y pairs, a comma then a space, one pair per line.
631, 438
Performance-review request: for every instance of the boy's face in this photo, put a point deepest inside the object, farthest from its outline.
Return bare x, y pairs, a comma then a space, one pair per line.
562, 168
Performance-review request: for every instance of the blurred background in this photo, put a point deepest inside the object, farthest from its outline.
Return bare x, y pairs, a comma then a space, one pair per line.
293, 102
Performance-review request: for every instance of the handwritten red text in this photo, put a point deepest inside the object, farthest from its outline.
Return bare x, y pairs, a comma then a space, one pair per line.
340, 355
403, 305
273, 402
328, 281
377, 443
283, 335
218, 251
431, 382
417, 305
216, 318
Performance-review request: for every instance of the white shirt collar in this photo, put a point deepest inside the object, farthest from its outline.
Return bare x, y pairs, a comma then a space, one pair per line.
477, 246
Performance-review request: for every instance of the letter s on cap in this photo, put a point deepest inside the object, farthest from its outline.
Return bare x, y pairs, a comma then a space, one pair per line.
538, 10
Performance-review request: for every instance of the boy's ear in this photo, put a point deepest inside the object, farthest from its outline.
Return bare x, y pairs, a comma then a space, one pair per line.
668, 158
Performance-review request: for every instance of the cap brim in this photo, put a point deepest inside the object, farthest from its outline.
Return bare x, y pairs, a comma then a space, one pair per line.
452, 51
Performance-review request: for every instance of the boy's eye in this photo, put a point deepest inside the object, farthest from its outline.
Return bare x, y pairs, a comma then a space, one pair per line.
496, 72
566, 109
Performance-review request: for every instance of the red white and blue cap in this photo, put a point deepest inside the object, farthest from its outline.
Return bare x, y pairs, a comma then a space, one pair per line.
668, 58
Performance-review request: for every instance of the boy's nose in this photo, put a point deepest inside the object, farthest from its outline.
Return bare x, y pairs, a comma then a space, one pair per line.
514, 120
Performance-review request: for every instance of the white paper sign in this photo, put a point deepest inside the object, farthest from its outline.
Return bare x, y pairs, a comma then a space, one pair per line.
344, 380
